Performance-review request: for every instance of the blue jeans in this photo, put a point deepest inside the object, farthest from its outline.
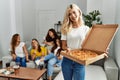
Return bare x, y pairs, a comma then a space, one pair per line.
21, 60
52, 60
49, 56
72, 70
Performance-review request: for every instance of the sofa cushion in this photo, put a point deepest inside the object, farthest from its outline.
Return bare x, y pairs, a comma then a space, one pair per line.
6, 59
29, 64
92, 72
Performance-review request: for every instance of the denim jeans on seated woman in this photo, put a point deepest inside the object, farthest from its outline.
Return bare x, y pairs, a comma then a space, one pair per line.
49, 56
21, 60
51, 63
52, 60
72, 70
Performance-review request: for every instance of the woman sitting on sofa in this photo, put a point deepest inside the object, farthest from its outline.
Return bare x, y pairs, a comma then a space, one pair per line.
50, 37
37, 50
54, 58
18, 50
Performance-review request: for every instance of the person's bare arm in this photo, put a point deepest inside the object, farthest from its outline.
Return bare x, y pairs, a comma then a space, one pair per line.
33, 56
64, 44
60, 57
26, 52
13, 55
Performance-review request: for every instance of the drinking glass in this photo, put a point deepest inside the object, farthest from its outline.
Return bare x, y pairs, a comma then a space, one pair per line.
41, 67
16, 67
17, 64
7, 65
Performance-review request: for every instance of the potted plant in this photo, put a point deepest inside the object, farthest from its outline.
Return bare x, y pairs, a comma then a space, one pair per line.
92, 18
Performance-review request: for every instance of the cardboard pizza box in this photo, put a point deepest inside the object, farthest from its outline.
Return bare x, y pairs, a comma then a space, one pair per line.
98, 40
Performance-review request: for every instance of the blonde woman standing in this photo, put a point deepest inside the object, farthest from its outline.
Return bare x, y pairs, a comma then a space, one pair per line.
73, 33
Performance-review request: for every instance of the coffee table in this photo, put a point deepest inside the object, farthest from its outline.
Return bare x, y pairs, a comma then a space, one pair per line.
26, 74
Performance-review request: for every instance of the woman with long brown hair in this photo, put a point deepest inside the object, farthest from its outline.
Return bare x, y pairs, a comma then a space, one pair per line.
18, 50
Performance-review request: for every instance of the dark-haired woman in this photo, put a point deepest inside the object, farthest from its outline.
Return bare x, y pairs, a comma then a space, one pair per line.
54, 58
51, 37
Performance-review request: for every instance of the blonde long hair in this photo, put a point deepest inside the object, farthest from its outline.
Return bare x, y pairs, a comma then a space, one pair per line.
67, 24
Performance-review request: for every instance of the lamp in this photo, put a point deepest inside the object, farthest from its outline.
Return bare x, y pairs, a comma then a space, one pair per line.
57, 27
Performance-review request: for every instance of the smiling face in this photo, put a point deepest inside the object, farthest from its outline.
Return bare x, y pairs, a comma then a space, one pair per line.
18, 40
74, 15
34, 44
51, 34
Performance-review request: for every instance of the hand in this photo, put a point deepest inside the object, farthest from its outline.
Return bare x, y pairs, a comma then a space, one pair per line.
34, 53
14, 57
55, 65
106, 56
68, 50
107, 51
42, 59
60, 57
27, 60
45, 42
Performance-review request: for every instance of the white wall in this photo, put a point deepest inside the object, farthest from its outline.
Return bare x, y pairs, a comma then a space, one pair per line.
117, 17
28, 19
109, 11
94, 5
59, 6
18, 18
4, 27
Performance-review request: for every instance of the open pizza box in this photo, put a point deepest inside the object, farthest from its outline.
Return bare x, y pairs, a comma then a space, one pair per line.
97, 41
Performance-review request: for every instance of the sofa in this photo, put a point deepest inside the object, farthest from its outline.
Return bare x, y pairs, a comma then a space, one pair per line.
109, 71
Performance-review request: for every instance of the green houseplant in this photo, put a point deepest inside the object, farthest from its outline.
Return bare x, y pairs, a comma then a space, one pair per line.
92, 18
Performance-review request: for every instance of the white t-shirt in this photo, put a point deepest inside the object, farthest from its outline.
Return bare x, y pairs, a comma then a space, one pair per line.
19, 50
75, 37
55, 51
